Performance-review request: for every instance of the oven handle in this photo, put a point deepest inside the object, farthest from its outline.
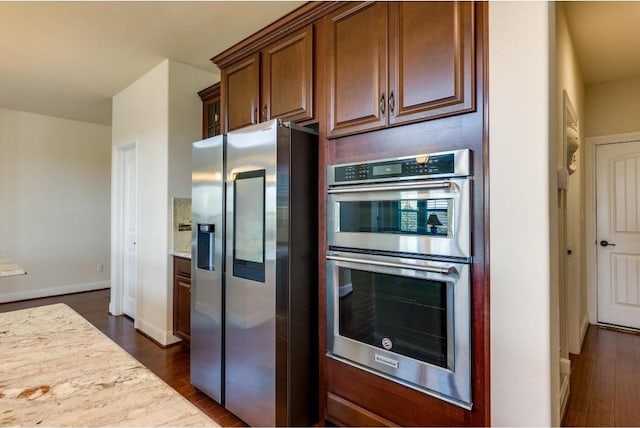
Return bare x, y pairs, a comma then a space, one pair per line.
445, 271
409, 186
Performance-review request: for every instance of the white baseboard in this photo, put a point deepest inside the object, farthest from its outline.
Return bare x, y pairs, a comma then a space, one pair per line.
564, 394
163, 337
565, 366
565, 378
52, 291
584, 325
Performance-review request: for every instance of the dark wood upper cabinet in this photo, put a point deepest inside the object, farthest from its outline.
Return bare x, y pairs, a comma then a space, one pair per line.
240, 93
398, 62
287, 77
211, 113
276, 82
431, 68
357, 64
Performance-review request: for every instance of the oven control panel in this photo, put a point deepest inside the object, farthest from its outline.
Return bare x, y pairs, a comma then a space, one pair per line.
445, 164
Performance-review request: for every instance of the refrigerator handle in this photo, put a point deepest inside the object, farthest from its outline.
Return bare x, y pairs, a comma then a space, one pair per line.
206, 246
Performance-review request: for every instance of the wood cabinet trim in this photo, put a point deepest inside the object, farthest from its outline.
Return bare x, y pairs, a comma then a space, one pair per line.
209, 92
184, 282
293, 21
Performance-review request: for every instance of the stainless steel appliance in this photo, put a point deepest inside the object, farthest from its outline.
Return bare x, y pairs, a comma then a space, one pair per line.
417, 205
398, 271
207, 206
269, 291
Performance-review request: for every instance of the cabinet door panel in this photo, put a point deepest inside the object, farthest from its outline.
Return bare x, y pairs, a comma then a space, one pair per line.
431, 71
287, 77
183, 316
240, 93
357, 64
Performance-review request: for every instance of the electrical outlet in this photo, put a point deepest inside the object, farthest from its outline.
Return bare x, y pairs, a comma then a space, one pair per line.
100, 267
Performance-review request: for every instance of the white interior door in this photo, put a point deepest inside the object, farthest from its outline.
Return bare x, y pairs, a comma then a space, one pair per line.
618, 233
130, 234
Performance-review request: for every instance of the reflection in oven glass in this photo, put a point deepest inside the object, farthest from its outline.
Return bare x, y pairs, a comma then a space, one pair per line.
403, 315
412, 216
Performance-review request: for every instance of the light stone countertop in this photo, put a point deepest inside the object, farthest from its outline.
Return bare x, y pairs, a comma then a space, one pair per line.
183, 254
56, 369
9, 268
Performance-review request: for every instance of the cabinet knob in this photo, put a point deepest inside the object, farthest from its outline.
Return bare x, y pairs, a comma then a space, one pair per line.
382, 103
254, 117
264, 113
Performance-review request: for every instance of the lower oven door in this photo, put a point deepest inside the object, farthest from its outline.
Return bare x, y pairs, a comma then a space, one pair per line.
407, 320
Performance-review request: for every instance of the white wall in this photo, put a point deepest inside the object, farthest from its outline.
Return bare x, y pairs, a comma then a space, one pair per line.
161, 114
570, 80
185, 127
140, 115
54, 204
613, 107
524, 334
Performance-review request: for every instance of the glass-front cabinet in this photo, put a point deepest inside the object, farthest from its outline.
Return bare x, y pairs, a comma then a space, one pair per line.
211, 118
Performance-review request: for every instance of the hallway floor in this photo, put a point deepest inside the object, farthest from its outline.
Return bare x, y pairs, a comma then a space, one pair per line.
605, 380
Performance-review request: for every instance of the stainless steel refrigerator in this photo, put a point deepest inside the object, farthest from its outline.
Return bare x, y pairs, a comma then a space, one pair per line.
267, 370
207, 266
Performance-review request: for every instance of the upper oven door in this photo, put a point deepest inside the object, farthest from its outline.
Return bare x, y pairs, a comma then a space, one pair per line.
424, 217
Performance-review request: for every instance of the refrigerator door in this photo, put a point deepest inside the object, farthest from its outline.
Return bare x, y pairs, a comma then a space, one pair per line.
250, 353
207, 267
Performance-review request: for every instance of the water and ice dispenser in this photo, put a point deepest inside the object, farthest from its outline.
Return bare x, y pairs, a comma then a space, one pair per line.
206, 246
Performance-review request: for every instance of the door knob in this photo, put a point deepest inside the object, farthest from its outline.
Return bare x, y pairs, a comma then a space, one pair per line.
607, 244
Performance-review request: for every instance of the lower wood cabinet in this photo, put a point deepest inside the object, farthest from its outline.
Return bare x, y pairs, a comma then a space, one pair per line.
347, 413
182, 298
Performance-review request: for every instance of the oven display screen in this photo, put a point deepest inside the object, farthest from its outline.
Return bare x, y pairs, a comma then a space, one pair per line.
378, 170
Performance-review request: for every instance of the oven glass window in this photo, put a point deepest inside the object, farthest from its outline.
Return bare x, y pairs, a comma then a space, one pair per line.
407, 216
404, 315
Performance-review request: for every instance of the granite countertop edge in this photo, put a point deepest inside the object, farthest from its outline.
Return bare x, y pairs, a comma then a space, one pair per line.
183, 254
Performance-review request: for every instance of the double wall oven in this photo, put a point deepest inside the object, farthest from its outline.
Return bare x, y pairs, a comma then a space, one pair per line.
398, 270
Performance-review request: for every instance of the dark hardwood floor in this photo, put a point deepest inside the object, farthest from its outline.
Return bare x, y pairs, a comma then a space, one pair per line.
170, 364
605, 380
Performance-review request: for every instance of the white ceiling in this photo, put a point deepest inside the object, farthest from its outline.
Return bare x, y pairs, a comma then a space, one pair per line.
606, 36
67, 59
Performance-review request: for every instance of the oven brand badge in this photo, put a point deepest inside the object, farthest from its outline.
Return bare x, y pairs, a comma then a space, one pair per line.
387, 344
386, 361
